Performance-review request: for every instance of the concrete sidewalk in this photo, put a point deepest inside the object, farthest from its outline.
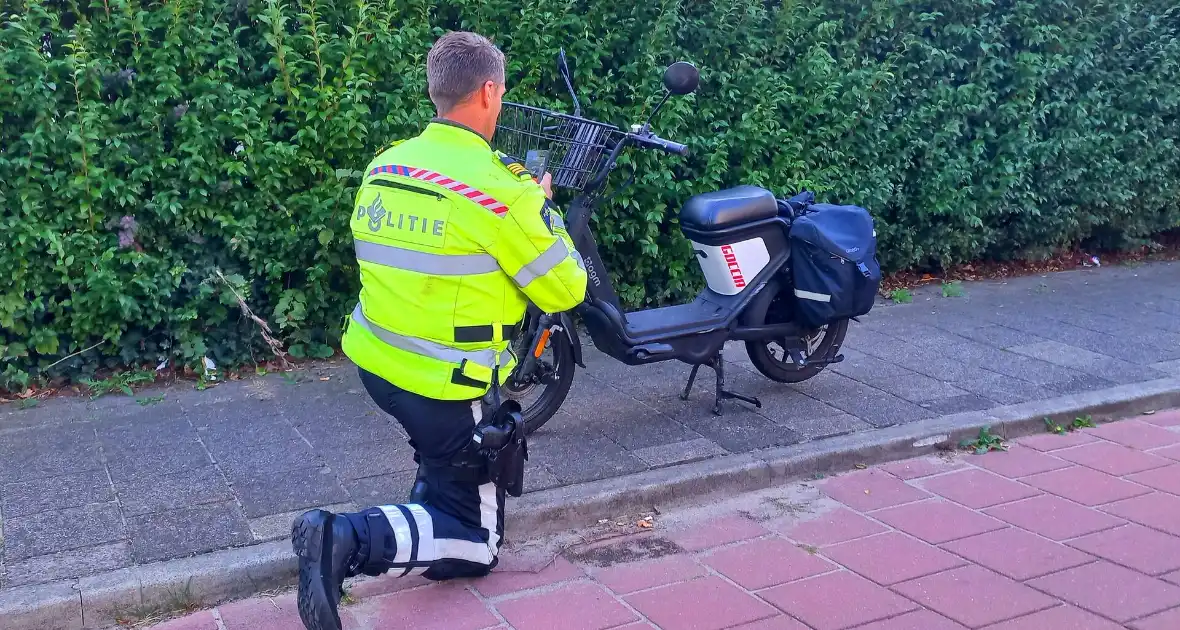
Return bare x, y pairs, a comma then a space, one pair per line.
1062, 532
88, 488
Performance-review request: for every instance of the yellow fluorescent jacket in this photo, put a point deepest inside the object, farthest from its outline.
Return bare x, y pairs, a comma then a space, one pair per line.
452, 240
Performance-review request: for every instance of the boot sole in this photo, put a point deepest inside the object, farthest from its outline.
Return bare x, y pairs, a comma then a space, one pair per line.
311, 538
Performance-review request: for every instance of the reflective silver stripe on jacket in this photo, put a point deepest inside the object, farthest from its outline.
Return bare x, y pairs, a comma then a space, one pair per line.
425, 348
542, 264
425, 262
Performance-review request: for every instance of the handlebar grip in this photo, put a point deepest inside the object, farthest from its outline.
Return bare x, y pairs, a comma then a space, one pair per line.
673, 147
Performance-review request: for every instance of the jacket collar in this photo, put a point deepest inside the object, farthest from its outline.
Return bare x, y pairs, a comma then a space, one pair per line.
456, 133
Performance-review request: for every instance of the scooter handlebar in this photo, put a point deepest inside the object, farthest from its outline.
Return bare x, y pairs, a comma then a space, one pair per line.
655, 142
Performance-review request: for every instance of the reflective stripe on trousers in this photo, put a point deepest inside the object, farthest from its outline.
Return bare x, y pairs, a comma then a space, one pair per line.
425, 348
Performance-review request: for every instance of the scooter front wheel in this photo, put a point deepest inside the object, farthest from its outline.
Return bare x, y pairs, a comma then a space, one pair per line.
542, 393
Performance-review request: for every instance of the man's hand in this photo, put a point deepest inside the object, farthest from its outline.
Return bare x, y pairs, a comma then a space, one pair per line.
547, 184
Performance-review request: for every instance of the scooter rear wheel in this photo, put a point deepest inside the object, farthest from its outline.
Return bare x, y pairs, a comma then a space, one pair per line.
769, 308
541, 400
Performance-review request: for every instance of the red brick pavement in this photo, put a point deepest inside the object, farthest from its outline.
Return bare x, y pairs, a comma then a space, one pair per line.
1075, 532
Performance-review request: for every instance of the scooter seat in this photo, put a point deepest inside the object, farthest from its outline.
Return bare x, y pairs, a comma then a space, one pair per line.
723, 209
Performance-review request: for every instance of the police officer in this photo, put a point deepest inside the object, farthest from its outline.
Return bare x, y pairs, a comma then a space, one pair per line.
452, 239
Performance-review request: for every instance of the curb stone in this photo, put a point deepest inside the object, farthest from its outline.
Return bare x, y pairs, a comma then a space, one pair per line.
91, 603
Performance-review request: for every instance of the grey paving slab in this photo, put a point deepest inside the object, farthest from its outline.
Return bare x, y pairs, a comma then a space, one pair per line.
565, 455
381, 489
539, 477
678, 452
55, 493
186, 488
916, 359
958, 404
1125, 347
271, 493
888, 377
996, 335
368, 459
819, 427
151, 433
180, 533
328, 432
231, 465
70, 564
1145, 331
1087, 362
37, 454
1004, 390
1079, 384
630, 423
787, 406
61, 530
247, 432
740, 429
153, 460
874, 406
241, 462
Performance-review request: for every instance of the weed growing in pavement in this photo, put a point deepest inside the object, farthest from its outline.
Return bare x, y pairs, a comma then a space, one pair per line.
952, 289
121, 382
148, 401
986, 441
27, 403
1084, 422
174, 603
901, 296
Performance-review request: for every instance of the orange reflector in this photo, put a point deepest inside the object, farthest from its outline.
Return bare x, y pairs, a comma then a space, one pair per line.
541, 346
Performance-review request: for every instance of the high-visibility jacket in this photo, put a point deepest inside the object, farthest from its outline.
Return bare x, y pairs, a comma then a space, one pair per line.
452, 240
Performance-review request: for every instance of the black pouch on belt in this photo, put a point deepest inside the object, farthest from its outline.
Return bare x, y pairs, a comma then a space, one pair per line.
503, 443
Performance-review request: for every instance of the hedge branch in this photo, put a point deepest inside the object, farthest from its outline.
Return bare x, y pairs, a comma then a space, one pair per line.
264, 328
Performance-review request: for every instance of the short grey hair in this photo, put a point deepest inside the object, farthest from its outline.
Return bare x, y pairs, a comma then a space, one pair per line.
458, 64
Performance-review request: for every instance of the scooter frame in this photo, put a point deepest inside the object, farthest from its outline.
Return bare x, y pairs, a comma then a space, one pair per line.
694, 333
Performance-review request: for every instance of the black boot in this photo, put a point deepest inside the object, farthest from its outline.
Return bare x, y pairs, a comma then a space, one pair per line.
326, 546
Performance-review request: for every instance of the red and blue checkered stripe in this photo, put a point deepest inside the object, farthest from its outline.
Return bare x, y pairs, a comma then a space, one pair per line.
439, 179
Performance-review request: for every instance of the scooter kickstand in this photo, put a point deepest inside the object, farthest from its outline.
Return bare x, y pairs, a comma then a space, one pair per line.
718, 365
691, 378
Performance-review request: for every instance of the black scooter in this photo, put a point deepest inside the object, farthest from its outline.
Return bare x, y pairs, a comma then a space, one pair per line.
740, 239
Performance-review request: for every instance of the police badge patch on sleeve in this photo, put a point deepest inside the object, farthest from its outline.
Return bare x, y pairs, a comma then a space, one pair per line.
547, 216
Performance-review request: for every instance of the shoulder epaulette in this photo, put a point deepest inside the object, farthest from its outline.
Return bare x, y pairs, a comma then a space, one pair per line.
514, 166
388, 146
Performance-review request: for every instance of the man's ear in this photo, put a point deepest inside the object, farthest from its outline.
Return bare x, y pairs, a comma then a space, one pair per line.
488, 94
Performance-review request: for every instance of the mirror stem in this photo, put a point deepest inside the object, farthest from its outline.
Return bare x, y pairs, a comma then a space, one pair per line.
564, 69
647, 124
573, 95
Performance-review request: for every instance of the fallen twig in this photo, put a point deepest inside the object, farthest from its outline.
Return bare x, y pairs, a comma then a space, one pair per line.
275, 346
70, 356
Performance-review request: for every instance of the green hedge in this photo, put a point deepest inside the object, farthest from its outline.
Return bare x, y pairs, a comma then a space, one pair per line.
159, 160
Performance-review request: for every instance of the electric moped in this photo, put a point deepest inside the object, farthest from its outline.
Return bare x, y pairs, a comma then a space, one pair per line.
740, 237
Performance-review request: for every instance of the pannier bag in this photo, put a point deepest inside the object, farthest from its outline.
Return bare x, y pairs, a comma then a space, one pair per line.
833, 263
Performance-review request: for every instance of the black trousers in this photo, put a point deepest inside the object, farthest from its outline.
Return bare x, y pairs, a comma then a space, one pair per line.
457, 528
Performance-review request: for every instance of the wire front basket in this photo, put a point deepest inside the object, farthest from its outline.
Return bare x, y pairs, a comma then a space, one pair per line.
577, 148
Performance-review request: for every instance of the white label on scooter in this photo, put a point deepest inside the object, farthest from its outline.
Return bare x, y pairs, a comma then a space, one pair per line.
730, 268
